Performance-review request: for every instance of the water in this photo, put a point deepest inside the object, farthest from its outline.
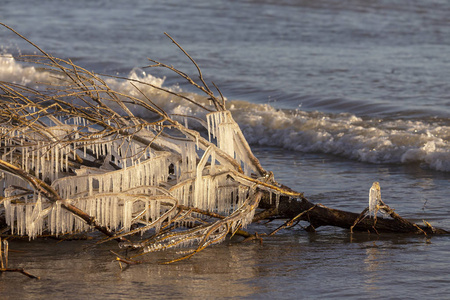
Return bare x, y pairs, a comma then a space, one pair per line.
332, 95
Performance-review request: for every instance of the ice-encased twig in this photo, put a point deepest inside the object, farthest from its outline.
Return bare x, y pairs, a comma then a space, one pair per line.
96, 157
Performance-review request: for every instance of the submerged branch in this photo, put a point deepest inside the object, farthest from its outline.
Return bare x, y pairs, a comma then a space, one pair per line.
22, 271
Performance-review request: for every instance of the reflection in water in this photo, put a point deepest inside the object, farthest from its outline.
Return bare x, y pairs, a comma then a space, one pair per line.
222, 271
372, 267
293, 264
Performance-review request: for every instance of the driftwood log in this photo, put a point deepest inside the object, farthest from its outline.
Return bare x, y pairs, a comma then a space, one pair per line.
318, 215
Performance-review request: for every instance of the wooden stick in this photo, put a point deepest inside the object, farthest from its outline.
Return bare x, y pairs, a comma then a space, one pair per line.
22, 271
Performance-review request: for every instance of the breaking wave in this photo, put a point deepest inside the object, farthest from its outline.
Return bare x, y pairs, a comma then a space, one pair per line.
372, 140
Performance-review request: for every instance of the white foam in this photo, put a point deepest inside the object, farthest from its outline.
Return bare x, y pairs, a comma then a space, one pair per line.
346, 135
374, 141
15, 72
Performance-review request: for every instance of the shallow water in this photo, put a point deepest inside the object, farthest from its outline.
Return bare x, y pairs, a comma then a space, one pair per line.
331, 263
332, 95
293, 264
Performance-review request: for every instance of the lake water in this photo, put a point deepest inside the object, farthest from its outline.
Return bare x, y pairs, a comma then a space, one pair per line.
332, 96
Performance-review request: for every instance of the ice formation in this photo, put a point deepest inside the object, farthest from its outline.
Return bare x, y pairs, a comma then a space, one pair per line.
133, 185
374, 198
80, 159
230, 139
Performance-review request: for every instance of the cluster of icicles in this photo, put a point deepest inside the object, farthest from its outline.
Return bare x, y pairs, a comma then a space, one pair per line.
140, 193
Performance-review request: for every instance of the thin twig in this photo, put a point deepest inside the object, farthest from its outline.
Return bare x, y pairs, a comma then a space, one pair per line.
291, 221
22, 271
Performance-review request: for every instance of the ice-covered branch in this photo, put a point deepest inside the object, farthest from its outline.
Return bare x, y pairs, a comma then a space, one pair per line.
77, 154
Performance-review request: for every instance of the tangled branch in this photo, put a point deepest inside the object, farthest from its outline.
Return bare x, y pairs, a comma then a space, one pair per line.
78, 155
75, 157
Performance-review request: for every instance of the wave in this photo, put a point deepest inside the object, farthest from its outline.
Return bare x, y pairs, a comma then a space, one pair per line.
346, 135
372, 140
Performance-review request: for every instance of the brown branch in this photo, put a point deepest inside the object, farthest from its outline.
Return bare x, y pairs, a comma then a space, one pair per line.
22, 271
205, 88
359, 218
322, 216
291, 221
128, 261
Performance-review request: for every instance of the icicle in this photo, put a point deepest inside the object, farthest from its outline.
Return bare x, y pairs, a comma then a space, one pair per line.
52, 218
74, 151
197, 191
58, 218
8, 215
11, 154
158, 210
90, 185
114, 220
33, 151
28, 217
12, 217
277, 199
153, 210
125, 181
35, 223
148, 215
210, 203
98, 209
217, 121
42, 161
208, 122
116, 182
243, 191
105, 211
374, 198
20, 218
213, 162
23, 159
67, 158
107, 184
62, 220
127, 212
90, 206
183, 160
56, 162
